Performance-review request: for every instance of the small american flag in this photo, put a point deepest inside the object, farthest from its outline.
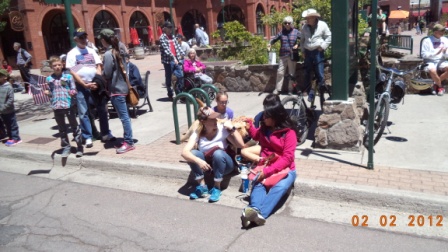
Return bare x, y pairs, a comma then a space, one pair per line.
37, 88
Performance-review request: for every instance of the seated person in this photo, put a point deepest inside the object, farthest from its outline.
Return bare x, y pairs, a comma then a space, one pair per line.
196, 68
135, 79
222, 99
208, 136
7, 67
433, 50
184, 45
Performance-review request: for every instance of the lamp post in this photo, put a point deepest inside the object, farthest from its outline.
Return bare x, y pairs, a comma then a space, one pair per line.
222, 5
171, 11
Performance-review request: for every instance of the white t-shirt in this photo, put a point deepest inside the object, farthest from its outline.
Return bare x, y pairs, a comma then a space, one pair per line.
219, 140
432, 45
83, 62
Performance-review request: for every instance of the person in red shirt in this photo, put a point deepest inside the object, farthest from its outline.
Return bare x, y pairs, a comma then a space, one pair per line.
6, 66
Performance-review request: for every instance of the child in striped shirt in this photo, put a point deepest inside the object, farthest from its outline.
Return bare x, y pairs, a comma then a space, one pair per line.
61, 90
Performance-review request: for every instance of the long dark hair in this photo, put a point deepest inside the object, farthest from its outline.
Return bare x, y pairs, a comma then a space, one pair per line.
274, 109
114, 42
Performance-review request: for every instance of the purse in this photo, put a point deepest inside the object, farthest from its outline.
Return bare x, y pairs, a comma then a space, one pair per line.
209, 154
132, 97
272, 180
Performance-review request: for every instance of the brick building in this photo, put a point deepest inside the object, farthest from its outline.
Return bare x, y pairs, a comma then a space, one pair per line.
42, 28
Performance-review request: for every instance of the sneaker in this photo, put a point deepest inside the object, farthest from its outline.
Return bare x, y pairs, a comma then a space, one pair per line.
434, 90
89, 143
245, 222
10, 142
441, 91
215, 193
108, 137
79, 152
275, 92
66, 151
170, 98
253, 215
125, 148
200, 192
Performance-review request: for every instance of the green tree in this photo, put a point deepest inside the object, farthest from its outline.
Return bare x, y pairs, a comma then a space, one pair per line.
4, 7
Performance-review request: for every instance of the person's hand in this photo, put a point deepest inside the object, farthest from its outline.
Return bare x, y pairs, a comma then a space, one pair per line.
176, 62
260, 177
269, 47
203, 165
47, 92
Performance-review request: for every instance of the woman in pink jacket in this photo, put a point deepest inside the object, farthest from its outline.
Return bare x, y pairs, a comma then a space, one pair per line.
277, 134
196, 68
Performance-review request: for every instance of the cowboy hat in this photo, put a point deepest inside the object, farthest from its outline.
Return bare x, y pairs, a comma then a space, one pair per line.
310, 13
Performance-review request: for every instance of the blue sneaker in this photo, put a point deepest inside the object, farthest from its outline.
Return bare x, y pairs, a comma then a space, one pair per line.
215, 193
200, 192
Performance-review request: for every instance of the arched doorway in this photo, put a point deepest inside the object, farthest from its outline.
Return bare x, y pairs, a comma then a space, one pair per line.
140, 22
260, 26
8, 37
104, 19
189, 20
231, 13
56, 35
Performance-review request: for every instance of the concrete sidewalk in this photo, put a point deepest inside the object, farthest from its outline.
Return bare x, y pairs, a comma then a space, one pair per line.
411, 161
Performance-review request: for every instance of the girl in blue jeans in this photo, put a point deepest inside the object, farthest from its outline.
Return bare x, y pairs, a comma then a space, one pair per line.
210, 135
114, 72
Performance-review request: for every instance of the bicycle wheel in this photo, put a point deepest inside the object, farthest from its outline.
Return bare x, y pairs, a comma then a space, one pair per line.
297, 111
380, 121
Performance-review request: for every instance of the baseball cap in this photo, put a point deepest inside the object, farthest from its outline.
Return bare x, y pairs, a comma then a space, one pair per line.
438, 27
63, 57
4, 72
168, 24
106, 33
79, 32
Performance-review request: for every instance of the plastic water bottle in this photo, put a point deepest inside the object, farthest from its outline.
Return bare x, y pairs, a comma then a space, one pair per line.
311, 95
245, 178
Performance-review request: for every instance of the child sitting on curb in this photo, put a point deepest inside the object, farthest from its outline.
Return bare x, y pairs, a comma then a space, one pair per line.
61, 90
7, 111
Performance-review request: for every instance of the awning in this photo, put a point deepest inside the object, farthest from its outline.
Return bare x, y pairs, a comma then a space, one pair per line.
422, 13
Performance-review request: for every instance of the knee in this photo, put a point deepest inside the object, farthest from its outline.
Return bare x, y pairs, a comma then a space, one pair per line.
219, 155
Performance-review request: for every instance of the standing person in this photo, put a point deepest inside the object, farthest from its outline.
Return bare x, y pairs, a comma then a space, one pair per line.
276, 135
434, 48
380, 21
114, 72
288, 37
211, 139
417, 28
84, 63
315, 39
222, 99
7, 112
172, 56
24, 64
184, 45
61, 90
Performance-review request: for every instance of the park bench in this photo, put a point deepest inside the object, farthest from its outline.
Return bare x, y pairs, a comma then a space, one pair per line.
403, 42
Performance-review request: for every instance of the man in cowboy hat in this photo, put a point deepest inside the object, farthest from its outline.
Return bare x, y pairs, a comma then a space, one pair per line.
315, 39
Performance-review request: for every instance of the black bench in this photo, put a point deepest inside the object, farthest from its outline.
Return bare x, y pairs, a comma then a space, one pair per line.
145, 99
401, 42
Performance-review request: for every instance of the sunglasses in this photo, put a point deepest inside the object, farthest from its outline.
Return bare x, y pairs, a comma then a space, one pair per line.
286, 23
223, 102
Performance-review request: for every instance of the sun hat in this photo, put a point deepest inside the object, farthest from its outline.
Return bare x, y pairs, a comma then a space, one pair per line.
310, 13
438, 27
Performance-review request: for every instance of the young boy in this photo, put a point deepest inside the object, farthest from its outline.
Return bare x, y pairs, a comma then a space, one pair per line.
62, 89
7, 112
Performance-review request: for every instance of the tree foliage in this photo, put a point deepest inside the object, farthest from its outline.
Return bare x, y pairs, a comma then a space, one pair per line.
4, 7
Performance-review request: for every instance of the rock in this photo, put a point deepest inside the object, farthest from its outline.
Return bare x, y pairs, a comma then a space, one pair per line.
328, 120
345, 133
321, 137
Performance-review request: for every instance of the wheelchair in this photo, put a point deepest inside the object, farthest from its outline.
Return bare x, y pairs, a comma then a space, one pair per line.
190, 82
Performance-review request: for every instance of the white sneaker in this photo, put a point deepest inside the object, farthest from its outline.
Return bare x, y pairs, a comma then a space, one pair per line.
89, 143
108, 137
275, 92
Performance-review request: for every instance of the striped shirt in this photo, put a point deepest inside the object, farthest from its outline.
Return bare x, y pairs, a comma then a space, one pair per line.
60, 87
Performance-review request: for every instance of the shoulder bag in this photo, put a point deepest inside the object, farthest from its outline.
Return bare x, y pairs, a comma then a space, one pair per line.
272, 180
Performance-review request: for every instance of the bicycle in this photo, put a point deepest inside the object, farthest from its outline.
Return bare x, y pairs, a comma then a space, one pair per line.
389, 91
298, 111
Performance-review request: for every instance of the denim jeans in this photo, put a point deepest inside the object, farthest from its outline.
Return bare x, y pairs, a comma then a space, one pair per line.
59, 116
12, 128
119, 102
177, 70
314, 62
82, 99
222, 164
264, 200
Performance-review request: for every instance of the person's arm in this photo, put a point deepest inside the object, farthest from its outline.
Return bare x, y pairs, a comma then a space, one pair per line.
9, 103
28, 57
188, 67
189, 157
9, 69
108, 66
428, 51
287, 157
234, 136
253, 132
200, 65
326, 35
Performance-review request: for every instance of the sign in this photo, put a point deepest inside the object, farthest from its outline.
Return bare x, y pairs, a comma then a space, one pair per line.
62, 1
16, 20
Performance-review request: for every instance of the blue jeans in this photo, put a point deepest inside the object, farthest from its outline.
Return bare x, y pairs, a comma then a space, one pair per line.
266, 201
82, 99
314, 61
12, 128
119, 102
222, 164
177, 70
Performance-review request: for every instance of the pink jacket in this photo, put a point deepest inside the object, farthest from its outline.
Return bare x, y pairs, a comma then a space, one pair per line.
189, 68
283, 142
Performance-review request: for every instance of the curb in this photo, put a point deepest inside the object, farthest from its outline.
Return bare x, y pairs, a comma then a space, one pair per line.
399, 200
